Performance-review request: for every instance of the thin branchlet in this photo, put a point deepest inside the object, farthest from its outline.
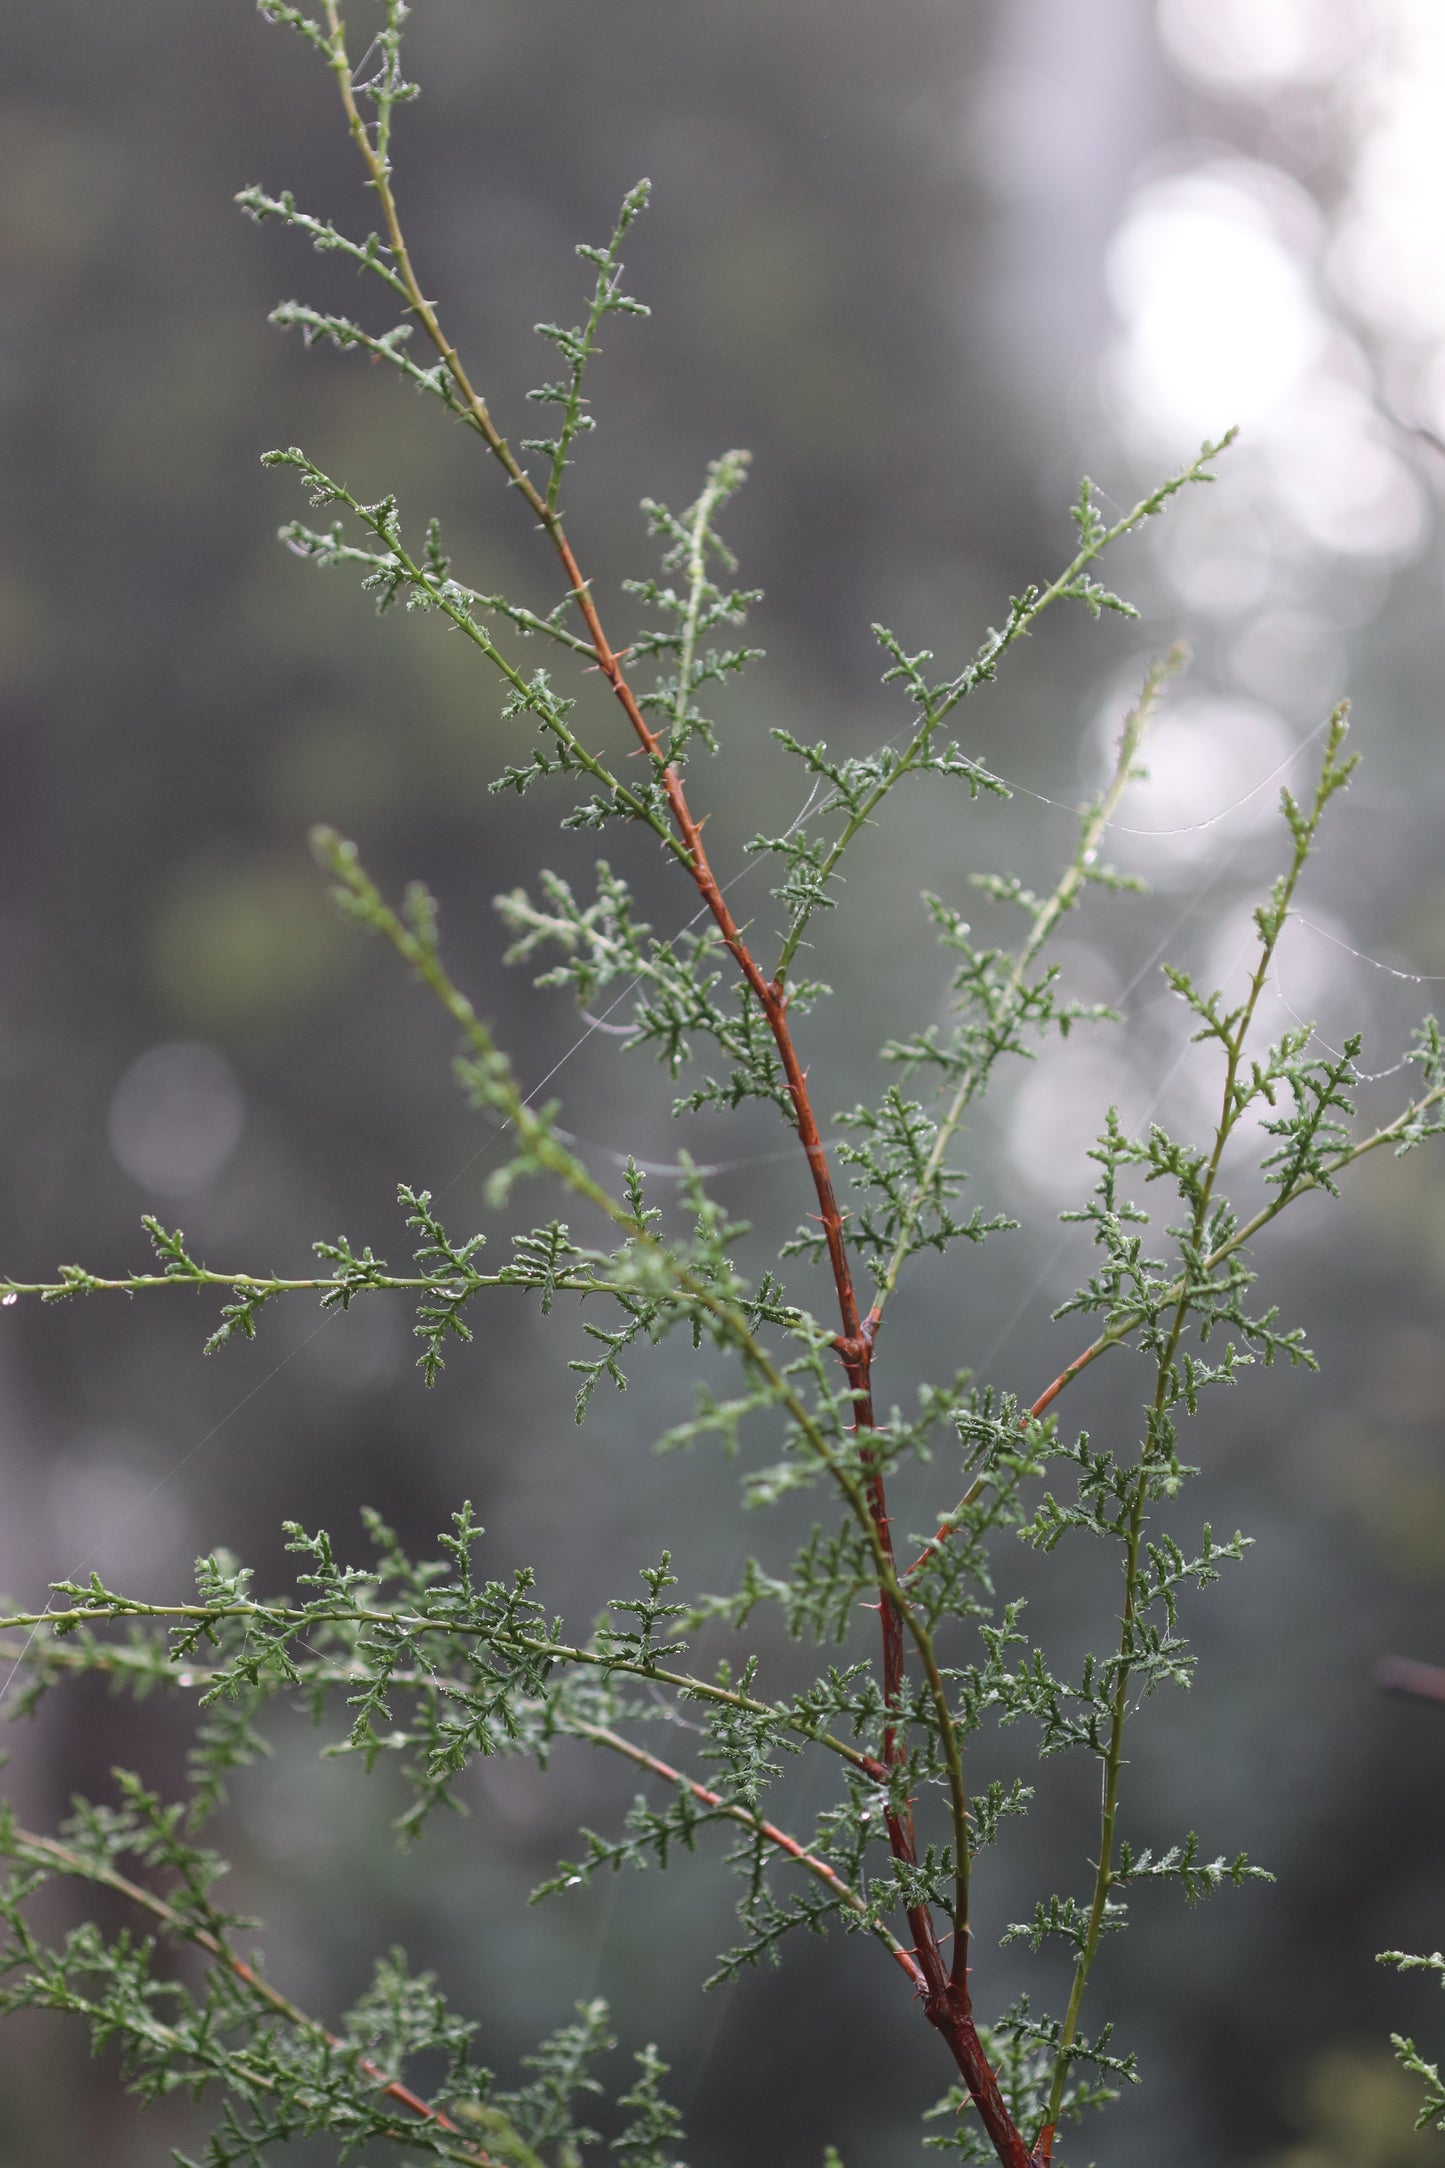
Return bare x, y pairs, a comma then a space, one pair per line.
429, 1663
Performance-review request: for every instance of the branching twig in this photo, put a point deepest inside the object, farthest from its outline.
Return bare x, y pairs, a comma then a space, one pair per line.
47, 1852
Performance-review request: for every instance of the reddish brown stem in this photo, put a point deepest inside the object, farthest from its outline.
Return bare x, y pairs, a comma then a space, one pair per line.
771, 993
946, 1998
1050, 1393
945, 2004
72, 1862
948, 2008
855, 1341
775, 1836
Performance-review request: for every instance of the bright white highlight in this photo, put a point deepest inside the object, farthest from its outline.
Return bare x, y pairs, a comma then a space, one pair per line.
1219, 323
1317, 326
1257, 46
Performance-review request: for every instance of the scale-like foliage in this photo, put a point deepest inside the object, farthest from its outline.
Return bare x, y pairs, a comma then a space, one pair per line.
430, 1665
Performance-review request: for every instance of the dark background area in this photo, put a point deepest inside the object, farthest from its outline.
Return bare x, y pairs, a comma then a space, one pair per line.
928, 262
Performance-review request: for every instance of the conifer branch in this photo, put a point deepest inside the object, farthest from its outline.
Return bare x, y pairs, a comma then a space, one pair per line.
865, 1498
46, 1852
149, 1665
770, 994
1233, 1029
855, 1339
22, 1844
847, 1899
437, 1666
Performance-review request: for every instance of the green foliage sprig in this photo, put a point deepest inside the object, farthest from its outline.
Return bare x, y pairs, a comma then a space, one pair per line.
432, 1664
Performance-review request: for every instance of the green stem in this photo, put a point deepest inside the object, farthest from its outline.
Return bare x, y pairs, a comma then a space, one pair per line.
1096, 821
501, 1089
723, 478
1022, 616
1118, 1333
178, 1670
460, 615
1271, 921
87, 1283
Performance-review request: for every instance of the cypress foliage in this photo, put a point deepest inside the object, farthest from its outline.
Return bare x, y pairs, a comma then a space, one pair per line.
436, 1663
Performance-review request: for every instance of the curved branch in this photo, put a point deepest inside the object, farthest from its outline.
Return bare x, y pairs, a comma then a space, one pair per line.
142, 1663
26, 1845
847, 1898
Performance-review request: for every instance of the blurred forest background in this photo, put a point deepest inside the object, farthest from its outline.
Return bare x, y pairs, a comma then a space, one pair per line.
928, 261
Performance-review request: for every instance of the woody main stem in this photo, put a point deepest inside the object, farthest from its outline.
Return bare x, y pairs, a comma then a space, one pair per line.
946, 1996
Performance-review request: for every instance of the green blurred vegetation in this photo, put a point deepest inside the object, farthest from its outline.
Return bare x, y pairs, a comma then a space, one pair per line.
828, 271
